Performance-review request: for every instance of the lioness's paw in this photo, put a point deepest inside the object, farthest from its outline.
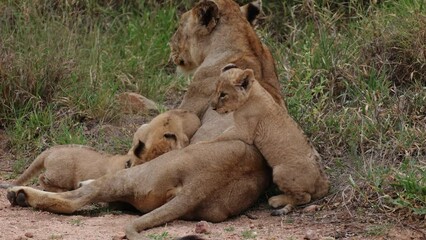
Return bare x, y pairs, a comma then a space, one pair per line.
17, 196
11, 196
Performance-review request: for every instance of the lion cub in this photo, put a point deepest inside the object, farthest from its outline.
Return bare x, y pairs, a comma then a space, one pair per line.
67, 165
168, 131
259, 120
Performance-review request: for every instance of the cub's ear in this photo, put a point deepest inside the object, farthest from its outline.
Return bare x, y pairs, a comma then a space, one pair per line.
251, 11
245, 81
228, 66
207, 14
139, 149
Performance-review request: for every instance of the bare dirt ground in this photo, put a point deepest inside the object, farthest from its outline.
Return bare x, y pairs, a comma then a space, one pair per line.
97, 223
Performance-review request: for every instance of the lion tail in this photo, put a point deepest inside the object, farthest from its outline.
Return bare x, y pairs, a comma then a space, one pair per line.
36, 166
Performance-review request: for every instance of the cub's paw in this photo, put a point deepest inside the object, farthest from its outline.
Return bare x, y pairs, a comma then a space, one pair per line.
17, 196
279, 201
275, 201
281, 211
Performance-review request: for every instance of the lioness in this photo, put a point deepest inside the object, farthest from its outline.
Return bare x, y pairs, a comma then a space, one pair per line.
259, 120
211, 182
202, 181
212, 35
167, 131
67, 165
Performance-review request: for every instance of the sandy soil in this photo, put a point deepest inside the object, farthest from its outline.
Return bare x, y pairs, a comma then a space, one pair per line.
101, 223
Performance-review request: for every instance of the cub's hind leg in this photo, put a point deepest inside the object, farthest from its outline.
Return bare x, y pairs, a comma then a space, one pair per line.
295, 188
289, 201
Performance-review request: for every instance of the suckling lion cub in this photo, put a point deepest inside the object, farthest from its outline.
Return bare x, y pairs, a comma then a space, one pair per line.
259, 120
67, 165
168, 131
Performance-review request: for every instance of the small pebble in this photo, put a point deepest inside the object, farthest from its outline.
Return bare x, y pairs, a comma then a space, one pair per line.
29, 235
311, 208
202, 227
311, 235
120, 237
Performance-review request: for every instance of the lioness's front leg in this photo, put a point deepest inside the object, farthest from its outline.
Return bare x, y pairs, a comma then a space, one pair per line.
175, 208
65, 202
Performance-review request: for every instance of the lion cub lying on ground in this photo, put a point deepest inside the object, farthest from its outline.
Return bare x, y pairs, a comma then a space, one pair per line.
259, 120
168, 131
67, 165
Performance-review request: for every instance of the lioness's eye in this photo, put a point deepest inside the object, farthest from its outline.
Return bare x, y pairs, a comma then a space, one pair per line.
222, 95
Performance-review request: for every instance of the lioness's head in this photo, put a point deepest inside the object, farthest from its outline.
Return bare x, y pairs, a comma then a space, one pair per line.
191, 41
149, 143
232, 89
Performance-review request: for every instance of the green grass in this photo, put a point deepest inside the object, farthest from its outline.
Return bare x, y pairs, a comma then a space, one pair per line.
248, 234
353, 75
357, 87
161, 236
229, 229
76, 222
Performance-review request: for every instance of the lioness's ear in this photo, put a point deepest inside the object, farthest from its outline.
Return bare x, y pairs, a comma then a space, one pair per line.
139, 149
207, 14
246, 80
251, 11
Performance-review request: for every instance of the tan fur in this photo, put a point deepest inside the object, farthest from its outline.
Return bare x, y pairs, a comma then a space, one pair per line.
168, 131
259, 120
67, 165
211, 181
191, 183
204, 49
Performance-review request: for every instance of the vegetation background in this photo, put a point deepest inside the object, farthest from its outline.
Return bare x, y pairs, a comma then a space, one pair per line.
353, 74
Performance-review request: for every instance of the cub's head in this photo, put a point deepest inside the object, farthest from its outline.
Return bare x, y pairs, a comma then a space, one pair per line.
197, 27
150, 142
232, 89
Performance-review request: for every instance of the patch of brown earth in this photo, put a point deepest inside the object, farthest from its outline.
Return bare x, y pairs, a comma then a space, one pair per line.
92, 224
